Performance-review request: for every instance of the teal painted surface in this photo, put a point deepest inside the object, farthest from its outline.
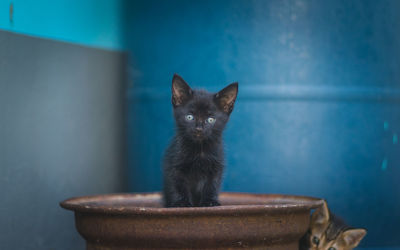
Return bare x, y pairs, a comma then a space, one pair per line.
95, 23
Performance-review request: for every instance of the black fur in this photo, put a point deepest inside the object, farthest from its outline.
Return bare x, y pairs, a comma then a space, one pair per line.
194, 161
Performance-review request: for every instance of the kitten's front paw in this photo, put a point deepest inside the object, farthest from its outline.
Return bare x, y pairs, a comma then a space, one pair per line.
181, 203
211, 203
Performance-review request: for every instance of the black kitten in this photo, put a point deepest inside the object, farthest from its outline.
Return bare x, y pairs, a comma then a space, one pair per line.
194, 161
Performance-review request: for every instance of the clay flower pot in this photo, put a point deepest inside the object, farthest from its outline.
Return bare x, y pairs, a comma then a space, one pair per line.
137, 221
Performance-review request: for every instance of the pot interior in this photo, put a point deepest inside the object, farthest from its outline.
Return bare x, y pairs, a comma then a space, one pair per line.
153, 201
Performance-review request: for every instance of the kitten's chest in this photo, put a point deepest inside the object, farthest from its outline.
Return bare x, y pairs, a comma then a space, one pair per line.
196, 168
197, 160
203, 161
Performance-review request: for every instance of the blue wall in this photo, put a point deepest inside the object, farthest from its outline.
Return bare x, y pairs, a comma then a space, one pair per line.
318, 107
95, 23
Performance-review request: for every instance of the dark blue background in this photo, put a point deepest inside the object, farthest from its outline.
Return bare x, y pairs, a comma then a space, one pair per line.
318, 107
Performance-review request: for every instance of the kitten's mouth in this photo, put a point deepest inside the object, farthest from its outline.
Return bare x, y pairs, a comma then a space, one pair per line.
198, 136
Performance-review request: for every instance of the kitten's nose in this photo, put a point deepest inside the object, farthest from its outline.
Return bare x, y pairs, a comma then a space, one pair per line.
199, 129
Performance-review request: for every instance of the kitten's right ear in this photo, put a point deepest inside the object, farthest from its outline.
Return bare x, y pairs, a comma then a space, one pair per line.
181, 92
321, 215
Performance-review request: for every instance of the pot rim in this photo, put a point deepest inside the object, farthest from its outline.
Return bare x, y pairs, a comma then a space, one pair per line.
290, 203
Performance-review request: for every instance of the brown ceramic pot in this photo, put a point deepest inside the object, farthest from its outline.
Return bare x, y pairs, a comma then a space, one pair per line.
137, 221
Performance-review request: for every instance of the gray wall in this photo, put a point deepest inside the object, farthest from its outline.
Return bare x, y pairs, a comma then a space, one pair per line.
61, 135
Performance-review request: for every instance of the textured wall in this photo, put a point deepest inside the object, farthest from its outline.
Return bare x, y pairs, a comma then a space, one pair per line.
318, 107
61, 135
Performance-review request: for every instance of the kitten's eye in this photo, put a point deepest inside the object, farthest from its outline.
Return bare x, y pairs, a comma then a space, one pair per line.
210, 120
189, 117
332, 248
315, 240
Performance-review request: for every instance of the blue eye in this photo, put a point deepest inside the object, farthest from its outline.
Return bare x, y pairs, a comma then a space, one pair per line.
332, 248
189, 117
210, 120
315, 240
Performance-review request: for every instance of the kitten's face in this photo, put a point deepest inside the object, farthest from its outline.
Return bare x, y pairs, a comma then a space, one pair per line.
200, 115
346, 240
319, 238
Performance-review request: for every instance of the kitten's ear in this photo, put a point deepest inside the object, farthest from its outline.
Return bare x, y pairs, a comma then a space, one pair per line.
352, 237
321, 215
225, 99
181, 92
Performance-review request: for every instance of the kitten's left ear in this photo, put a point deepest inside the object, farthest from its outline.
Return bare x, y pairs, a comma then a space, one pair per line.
352, 237
225, 98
